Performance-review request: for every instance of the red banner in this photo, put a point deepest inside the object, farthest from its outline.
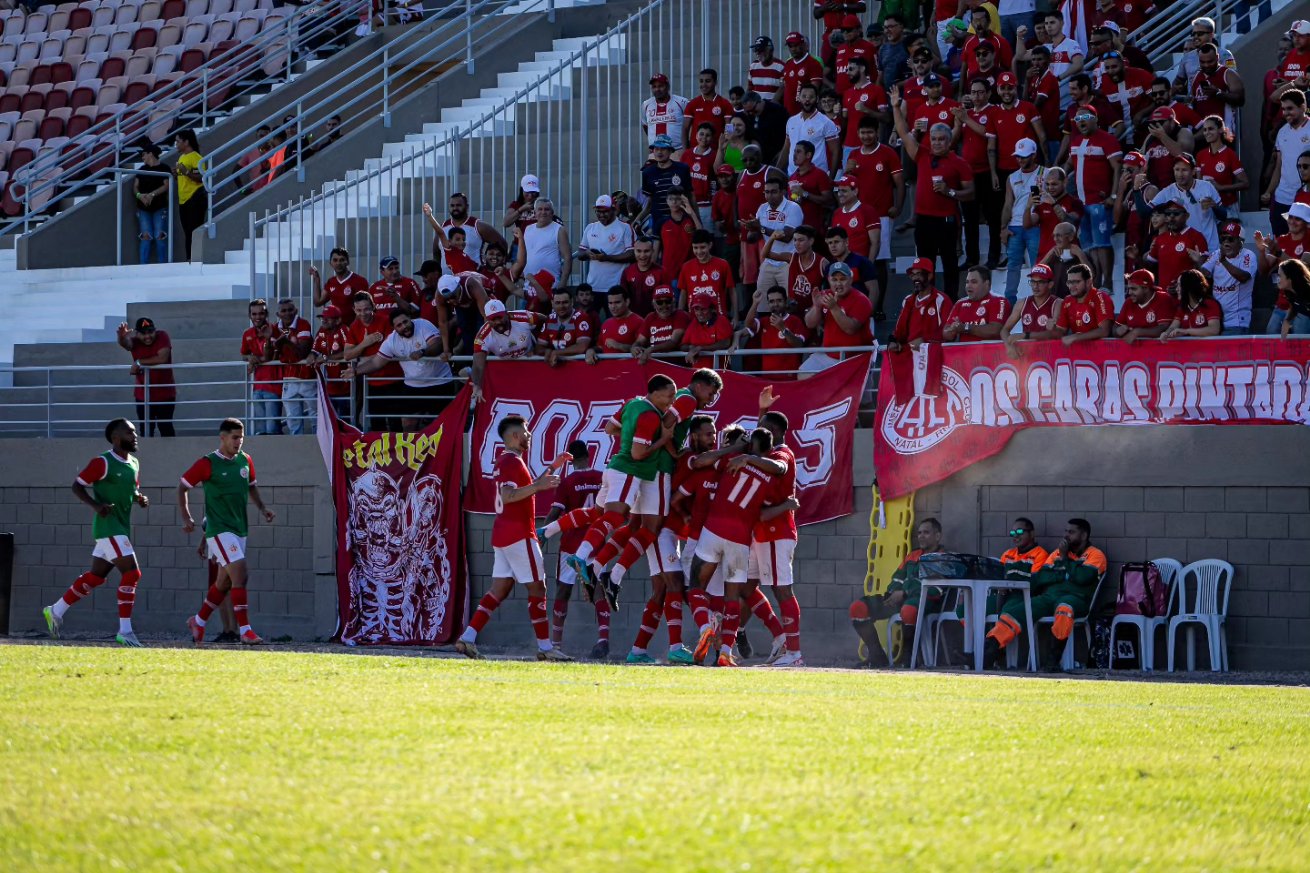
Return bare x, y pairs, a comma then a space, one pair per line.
986, 396
574, 402
401, 572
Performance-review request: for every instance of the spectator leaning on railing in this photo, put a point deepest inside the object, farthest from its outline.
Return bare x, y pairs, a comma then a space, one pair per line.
155, 392
290, 343
266, 390
330, 344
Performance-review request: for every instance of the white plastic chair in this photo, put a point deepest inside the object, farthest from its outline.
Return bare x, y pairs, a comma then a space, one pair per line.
1066, 657
1207, 606
1147, 627
921, 638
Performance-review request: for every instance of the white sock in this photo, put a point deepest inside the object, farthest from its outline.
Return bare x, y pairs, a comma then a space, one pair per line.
597, 568
637, 651
59, 608
584, 551
551, 529
469, 636
200, 621
125, 625
617, 574
544, 645
244, 629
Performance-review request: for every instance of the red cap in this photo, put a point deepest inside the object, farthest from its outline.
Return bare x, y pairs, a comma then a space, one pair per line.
1231, 228
725, 170
330, 311
1041, 271
922, 264
794, 38
847, 181
708, 299
1164, 113
1184, 159
1144, 278
659, 77
1170, 204
985, 42
663, 292
545, 279
1006, 78
1134, 159
851, 22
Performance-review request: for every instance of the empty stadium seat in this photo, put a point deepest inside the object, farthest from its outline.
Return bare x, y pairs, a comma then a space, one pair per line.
126, 14
169, 35
150, 10
194, 34
61, 71
115, 65
121, 41
145, 37
193, 58
24, 129
138, 65
80, 17
54, 124
60, 96
85, 94
97, 43
247, 28
172, 9
35, 23
138, 88
75, 44
103, 15
34, 98
27, 52
58, 20
220, 7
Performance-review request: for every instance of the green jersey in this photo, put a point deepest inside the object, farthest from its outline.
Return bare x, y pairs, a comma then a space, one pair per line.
112, 480
227, 484
641, 423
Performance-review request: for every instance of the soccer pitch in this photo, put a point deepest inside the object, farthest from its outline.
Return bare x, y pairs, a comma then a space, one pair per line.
170, 759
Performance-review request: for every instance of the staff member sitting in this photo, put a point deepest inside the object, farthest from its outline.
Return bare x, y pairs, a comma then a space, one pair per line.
902, 597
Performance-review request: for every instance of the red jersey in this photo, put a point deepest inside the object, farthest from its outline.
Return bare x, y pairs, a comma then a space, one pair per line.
858, 306
1037, 316
577, 490
459, 262
912, 93
875, 175
328, 343
702, 174
969, 56
490, 282
737, 503
973, 145
1157, 312
1204, 105
641, 285
1221, 168
1206, 313
1044, 93
935, 113
1295, 65
873, 96
857, 223
922, 317
780, 527
1047, 219
675, 243
713, 275
952, 170
1093, 176
990, 310
621, 330
701, 486
714, 111
804, 278
162, 387
1170, 253
514, 521
391, 372
796, 73
814, 182
267, 377
856, 48
702, 335
1129, 96
677, 523
561, 333
750, 192
1106, 115
384, 301
1084, 316
660, 330
341, 294
1011, 125
1291, 247
287, 352
723, 211
770, 336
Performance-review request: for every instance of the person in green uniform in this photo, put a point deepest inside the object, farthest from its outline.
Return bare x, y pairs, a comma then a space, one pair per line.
228, 477
903, 597
114, 482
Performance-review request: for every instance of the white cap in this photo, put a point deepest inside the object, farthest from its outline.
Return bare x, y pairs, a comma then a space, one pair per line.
493, 307
1300, 28
448, 284
1025, 148
530, 183
1298, 210
604, 201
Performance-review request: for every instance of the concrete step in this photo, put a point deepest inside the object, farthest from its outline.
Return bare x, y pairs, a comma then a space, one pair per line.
194, 319
111, 355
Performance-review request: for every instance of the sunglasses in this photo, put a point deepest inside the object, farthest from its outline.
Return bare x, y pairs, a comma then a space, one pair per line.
1174, 213
1018, 532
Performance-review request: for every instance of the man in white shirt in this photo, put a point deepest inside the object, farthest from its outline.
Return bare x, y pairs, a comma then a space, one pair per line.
662, 112
1067, 55
1290, 143
1190, 63
415, 344
812, 126
1019, 239
782, 216
1199, 196
606, 246
1233, 269
505, 335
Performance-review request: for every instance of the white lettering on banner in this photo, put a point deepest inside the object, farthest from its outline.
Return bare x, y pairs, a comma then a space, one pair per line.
561, 422
491, 444
925, 421
819, 431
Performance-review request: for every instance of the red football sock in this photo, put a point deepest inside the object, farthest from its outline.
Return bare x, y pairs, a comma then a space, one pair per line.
540, 623
213, 597
716, 603
673, 617
239, 610
600, 528
618, 542
486, 606
82, 586
578, 518
763, 610
636, 546
731, 620
602, 619
791, 618
650, 622
560, 612
127, 593
700, 606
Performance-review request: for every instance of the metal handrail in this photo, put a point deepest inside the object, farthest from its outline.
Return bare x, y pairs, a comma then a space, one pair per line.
224, 67
1161, 36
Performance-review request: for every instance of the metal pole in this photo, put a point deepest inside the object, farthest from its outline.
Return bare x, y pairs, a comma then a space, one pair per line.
118, 220
386, 88
251, 237
204, 98
300, 141
550, 11
49, 412
172, 218
468, 37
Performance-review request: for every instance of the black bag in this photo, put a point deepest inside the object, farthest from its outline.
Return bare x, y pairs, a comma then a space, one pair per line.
954, 565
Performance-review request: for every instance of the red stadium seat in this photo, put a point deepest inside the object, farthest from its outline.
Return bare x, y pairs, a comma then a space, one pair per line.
112, 67
84, 94
79, 18
172, 9
51, 126
58, 96
42, 74
193, 58
61, 71
10, 102
33, 99
146, 37
77, 124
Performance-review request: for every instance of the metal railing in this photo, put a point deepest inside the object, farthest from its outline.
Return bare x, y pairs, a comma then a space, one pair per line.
1167, 31
574, 123
83, 163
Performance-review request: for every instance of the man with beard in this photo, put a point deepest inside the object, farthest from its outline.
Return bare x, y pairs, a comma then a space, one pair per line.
416, 345
923, 314
341, 287
812, 126
505, 335
477, 232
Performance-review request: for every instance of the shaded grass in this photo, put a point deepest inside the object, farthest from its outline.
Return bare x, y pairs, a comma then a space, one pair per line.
202, 760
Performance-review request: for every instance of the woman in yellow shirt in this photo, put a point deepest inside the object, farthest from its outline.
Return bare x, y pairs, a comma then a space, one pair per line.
192, 200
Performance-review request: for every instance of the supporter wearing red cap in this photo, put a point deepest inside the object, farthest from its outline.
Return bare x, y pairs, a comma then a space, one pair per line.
981, 20
1147, 311
1168, 133
862, 225
662, 113
663, 329
1013, 120
924, 311
980, 314
1199, 314
800, 68
833, 14
723, 213
1087, 313
1132, 209
1232, 270
853, 46
330, 343
1170, 252
1036, 318
708, 107
708, 332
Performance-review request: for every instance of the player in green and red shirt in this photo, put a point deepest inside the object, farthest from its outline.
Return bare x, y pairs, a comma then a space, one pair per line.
228, 477
114, 480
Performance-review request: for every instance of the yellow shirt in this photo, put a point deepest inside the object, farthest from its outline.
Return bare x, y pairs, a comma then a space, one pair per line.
186, 188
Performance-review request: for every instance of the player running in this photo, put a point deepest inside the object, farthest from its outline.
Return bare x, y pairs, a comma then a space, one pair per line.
577, 492
228, 476
114, 480
514, 542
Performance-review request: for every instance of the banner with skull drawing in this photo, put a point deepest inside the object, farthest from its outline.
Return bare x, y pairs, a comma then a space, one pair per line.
401, 569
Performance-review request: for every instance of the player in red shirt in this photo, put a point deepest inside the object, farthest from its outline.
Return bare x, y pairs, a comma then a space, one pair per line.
642, 276
805, 269
923, 314
340, 289
1147, 311
773, 545
778, 329
575, 499
663, 329
1199, 314
709, 331
706, 273
619, 332
1087, 313
980, 314
707, 107
801, 68
514, 542
1170, 250
394, 291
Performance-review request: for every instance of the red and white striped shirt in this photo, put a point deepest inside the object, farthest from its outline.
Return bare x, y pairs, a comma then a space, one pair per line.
766, 79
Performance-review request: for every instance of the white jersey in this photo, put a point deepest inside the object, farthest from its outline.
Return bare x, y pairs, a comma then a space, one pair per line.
543, 249
423, 373
1201, 219
817, 130
1290, 143
1234, 297
614, 238
518, 342
788, 214
664, 119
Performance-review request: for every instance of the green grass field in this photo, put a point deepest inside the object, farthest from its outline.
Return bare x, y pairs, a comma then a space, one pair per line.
235, 760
